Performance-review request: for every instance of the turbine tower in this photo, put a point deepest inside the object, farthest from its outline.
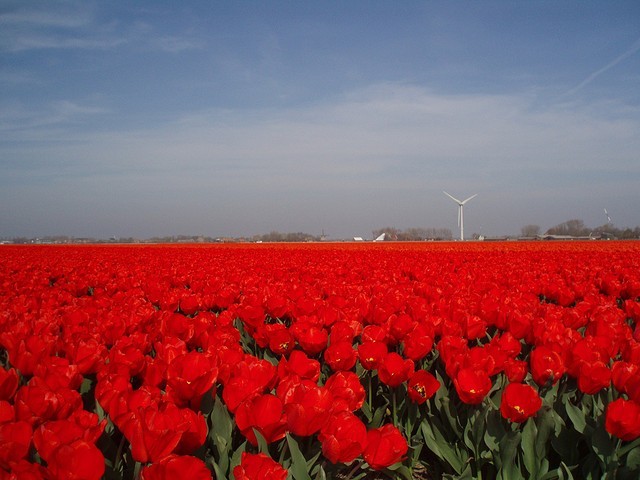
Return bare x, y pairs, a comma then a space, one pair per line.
460, 211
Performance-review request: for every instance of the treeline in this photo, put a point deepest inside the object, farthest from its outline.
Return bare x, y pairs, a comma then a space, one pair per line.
577, 228
286, 237
414, 234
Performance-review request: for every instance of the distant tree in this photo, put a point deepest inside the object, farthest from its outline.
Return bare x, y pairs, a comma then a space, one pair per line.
530, 230
414, 234
574, 227
275, 236
392, 233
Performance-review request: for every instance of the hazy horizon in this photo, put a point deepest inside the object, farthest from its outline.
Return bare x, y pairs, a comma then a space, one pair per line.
148, 119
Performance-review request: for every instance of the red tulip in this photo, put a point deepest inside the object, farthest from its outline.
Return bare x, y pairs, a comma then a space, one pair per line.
422, 385
51, 435
194, 431
516, 370
375, 333
300, 365
259, 467
88, 354
418, 343
30, 352
8, 383
621, 373
190, 376
154, 432
177, 466
36, 403
546, 366
347, 391
248, 378
394, 370
371, 354
340, 356
7, 412
622, 419
343, 437
400, 325
264, 413
79, 460
593, 377
313, 340
24, 470
385, 446
307, 407
281, 341
519, 402
472, 385
15, 441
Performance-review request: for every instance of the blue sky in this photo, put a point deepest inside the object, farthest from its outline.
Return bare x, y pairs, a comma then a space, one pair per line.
237, 118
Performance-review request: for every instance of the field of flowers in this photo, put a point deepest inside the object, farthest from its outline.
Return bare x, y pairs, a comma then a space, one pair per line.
319, 361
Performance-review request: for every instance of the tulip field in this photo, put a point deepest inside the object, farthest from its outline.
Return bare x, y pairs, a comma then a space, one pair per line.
505, 360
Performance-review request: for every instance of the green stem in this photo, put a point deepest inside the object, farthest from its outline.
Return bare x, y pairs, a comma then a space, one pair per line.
394, 399
285, 450
136, 470
369, 391
353, 470
118, 460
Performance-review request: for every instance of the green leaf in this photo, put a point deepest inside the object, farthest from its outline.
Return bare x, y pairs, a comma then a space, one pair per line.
566, 471
435, 441
629, 447
633, 459
86, 385
312, 461
467, 473
221, 427
236, 458
567, 445
400, 470
577, 416
561, 473
478, 428
366, 410
467, 435
414, 454
508, 448
452, 417
298, 466
378, 416
494, 431
263, 446
546, 423
220, 473
529, 433
321, 475
602, 445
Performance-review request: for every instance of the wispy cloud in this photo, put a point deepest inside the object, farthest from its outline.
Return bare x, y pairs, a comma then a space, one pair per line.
21, 120
350, 156
72, 18
31, 42
79, 26
635, 47
365, 135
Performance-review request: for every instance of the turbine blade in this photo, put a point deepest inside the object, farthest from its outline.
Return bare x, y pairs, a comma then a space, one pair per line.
472, 196
452, 197
459, 214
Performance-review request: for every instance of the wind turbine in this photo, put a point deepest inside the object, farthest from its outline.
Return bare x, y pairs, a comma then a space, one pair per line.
460, 211
608, 217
